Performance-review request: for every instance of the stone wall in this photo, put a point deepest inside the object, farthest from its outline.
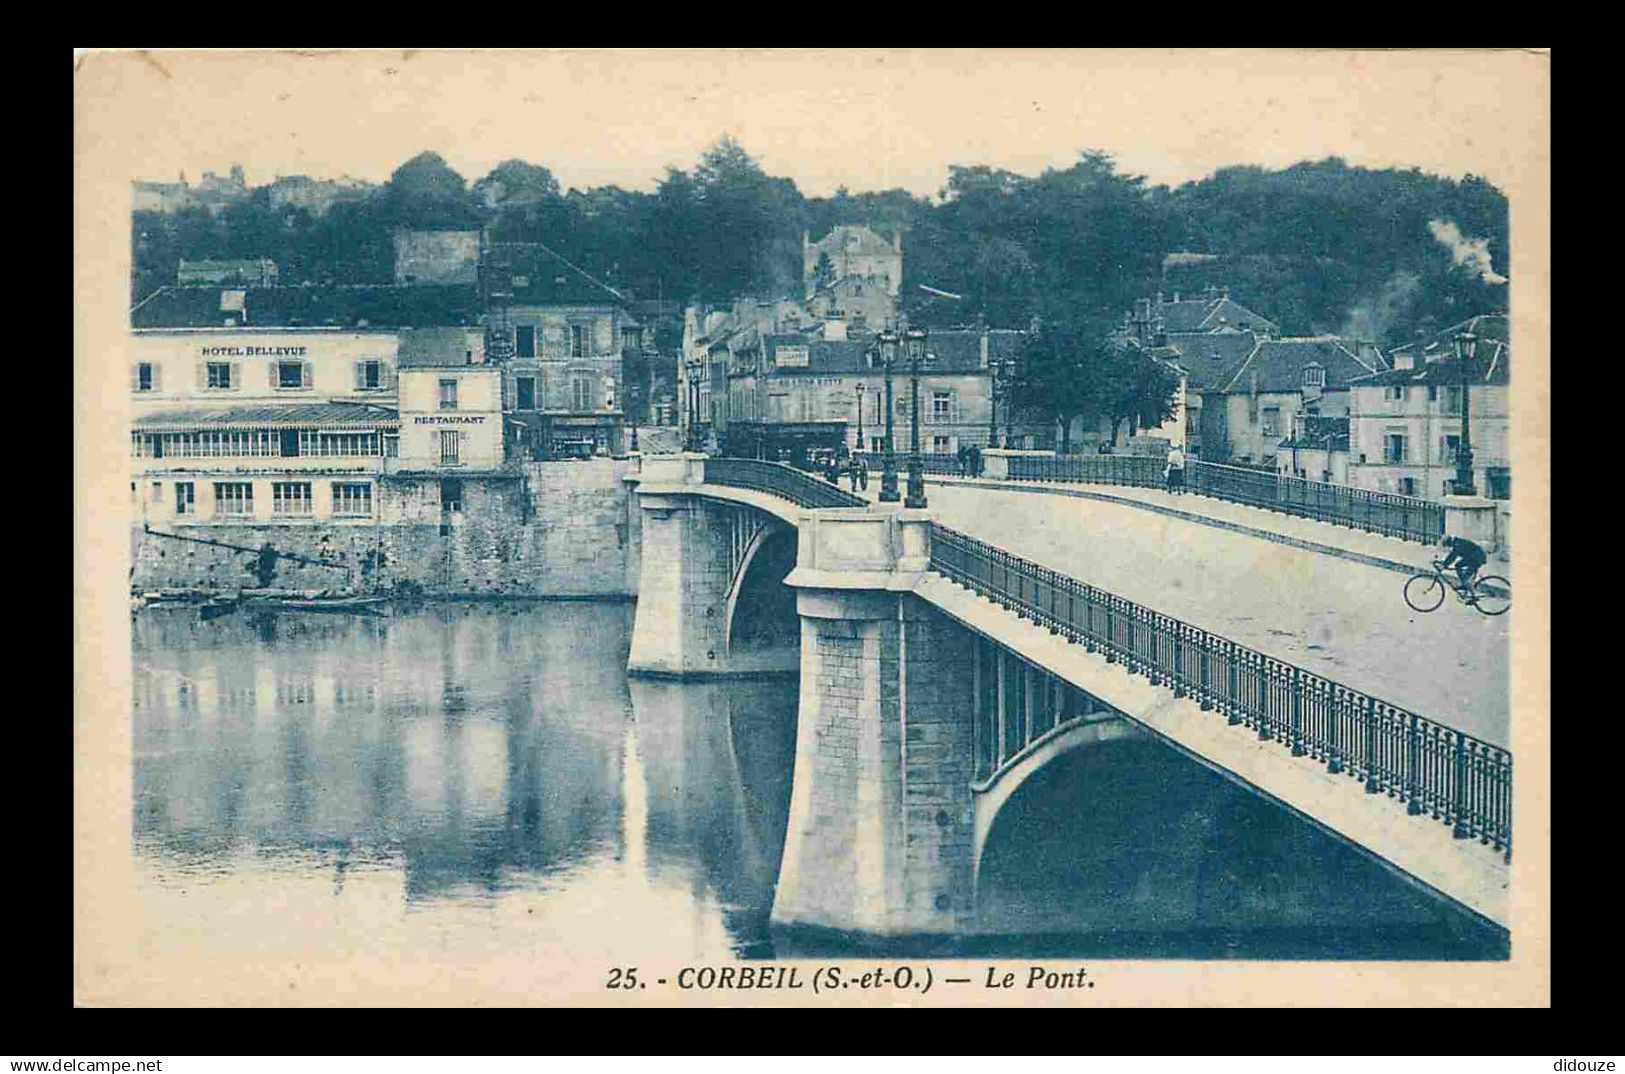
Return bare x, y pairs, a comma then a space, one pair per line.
552, 529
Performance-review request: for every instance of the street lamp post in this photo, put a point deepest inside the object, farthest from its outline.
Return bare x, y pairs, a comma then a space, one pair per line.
860, 416
693, 366
993, 403
1466, 345
888, 473
914, 340
1009, 405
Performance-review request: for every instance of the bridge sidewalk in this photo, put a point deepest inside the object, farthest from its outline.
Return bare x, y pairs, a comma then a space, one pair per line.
1371, 549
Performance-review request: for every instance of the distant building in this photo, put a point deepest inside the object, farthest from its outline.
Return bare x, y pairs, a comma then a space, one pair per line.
863, 302
790, 392
150, 197
315, 196
437, 257
1317, 450
854, 251
1263, 398
1405, 422
260, 272
567, 335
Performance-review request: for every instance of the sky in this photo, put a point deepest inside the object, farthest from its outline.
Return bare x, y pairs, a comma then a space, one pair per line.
866, 119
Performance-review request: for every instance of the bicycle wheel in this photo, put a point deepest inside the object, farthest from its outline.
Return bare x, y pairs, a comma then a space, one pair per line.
1427, 595
1494, 594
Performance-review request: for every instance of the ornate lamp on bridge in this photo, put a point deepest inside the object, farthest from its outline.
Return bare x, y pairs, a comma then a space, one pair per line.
914, 341
860, 416
887, 341
1466, 347
693, 365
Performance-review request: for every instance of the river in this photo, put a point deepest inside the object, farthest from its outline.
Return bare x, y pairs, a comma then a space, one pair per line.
481, 779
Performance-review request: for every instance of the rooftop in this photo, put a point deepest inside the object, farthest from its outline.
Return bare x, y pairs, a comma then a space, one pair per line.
1279, 364
309, 306
331, 415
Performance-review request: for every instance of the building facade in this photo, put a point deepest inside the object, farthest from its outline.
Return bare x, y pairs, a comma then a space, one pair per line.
852, 250
1405, 423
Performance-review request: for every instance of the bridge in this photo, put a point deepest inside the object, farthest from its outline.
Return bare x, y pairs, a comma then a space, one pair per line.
940, 672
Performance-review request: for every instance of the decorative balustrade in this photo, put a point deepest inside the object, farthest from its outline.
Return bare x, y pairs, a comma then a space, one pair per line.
1437, 770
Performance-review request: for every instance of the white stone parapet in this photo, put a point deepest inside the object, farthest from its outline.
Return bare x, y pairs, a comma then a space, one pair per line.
862, 548
996, 461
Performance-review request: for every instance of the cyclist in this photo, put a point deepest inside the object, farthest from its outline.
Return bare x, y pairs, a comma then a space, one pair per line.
1465, 555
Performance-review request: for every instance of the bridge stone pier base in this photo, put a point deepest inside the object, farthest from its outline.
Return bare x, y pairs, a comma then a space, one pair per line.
881, 824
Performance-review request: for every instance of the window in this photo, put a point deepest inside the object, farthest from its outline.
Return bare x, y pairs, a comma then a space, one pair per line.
632, 338
157, 492
1395, 394
1407, 486
1498, 482
940, 445
1452, 399
1448, 446
290, 374
369, 376
290, 498
1314, 376
217, 376
449, 440
448, 395
1272, 421
338, 444
1394, 448
146, 377
233, 499
942, 406
185, 498
1433, 393
392, 445
352, 499
877, 443
580, 341
290, 443
451, 495
524, 341
526, 387
581, 394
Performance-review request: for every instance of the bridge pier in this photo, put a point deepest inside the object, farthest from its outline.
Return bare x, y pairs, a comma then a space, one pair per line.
681, 625
881, 816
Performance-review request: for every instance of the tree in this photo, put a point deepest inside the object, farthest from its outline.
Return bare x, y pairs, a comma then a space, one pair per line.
516, 182
1063, 373
1140, 390
427, 193
823, 272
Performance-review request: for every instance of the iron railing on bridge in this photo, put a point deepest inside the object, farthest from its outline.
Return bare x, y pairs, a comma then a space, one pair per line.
1438, 770
1390, 514
939, 463
778, 479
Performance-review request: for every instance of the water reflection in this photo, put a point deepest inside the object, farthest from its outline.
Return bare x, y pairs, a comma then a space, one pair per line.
483, 758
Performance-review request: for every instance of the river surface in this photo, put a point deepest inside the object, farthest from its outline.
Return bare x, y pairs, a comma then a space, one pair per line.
482, 780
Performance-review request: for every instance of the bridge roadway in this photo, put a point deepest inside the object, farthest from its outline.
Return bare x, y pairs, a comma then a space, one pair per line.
1341, 619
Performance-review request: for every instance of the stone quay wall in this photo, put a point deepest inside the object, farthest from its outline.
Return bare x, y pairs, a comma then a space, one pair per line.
549, 529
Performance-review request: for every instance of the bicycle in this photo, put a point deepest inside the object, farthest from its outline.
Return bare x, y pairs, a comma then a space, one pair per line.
1491, 594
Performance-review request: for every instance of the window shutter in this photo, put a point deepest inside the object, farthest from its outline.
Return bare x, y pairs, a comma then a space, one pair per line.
270, 374
307, 377
135, 377
202, 375
386, 375
360, 374
236, 374
157, 377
